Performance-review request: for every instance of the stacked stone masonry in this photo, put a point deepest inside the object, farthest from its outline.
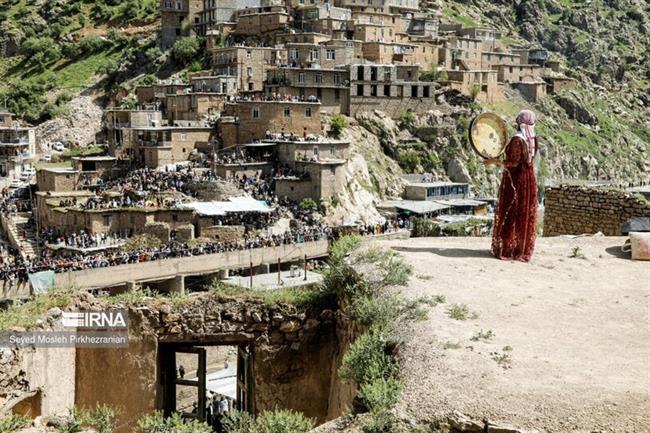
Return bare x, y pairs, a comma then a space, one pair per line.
574, 210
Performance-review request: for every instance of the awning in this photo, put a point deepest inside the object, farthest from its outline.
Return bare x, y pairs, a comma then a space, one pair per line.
234, 204
415, 206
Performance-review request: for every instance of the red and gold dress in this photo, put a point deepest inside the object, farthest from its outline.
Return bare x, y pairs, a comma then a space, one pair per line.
513, 236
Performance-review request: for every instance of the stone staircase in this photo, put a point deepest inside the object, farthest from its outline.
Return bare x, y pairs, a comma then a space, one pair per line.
22, 235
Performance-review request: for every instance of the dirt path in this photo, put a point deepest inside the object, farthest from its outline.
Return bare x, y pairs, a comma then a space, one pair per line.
576, 334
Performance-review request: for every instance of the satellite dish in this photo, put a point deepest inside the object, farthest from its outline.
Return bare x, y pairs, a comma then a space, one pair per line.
488, 134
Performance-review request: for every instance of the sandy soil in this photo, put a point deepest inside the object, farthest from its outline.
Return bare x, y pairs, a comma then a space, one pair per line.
578, 329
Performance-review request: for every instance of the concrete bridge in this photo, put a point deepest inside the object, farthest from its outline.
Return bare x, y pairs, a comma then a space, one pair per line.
172, 272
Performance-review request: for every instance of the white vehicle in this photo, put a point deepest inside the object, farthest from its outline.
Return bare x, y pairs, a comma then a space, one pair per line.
16, 184
58, 146
46, 158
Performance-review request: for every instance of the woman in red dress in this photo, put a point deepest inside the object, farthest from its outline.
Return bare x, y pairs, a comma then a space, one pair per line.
514, 230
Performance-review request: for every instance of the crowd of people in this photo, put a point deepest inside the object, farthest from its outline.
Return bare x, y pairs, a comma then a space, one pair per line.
240, 156
18, 268
81, 239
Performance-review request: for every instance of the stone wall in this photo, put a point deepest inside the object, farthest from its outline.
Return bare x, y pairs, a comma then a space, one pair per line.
576, 210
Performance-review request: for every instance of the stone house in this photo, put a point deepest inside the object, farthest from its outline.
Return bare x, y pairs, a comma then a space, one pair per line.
489, 89
17, 145
436, 190
329, 86
531, 90
260, 20
217, 12
517, 73
57, 179
461, 52
193, 106
124, 222
404, 7
247, 64
178, 19
491, 59
421, 54
324, 55
247, 121
322, 19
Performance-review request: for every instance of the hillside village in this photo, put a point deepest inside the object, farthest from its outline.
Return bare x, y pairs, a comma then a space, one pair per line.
255, 215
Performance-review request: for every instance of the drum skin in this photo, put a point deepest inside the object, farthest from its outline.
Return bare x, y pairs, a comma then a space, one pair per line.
488, 135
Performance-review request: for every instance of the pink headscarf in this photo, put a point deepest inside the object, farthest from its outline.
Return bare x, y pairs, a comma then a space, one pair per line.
526, 123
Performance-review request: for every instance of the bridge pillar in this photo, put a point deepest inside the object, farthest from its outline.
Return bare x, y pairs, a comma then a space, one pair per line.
131, 286
178, 285
264, 268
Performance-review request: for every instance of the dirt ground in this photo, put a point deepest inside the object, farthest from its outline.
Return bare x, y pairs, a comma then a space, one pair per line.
570, 344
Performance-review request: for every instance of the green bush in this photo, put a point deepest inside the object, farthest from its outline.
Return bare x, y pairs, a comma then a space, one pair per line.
381, 393
308, 204
13, 423
155, 423
337, 125
407, 118
185, 50
381, 421
409, 160
101, 418
366, 360
278, 421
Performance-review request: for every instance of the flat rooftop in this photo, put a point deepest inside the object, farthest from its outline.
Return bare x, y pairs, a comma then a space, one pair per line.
270, 281
577, 331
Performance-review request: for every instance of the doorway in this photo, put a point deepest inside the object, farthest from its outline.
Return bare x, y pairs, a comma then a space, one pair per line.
204, 382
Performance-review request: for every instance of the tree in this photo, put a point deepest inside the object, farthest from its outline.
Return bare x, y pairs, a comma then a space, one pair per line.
337, 125
185, 50
308, 204
409, 160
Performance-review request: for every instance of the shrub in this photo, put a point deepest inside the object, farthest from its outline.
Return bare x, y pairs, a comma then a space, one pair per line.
155, 423
366, 360
407, 118
101, 418
380, 394
278, 421
337, 125
13, 423
308, 204
185, 50
474, 91
381, 421
409, 160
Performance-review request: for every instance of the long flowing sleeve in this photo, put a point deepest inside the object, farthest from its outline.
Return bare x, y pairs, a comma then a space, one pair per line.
513, 153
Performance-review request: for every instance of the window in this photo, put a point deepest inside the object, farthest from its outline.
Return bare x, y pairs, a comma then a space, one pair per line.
250, 87
249, 71
106, 220
359, 89
293, 53
337, 95
314, 55
256, 112
319, 93
386, 90
249, 54
287, 112
337, 79
373, 90
330, 54
414, 91
308, 112
174, 217
184, 136
426, 92
301, 77
318, 78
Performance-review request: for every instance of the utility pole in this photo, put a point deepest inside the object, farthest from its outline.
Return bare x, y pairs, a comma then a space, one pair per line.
305, 277
279, 278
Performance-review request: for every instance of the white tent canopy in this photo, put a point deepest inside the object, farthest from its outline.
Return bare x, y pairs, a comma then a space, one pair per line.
234, 204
